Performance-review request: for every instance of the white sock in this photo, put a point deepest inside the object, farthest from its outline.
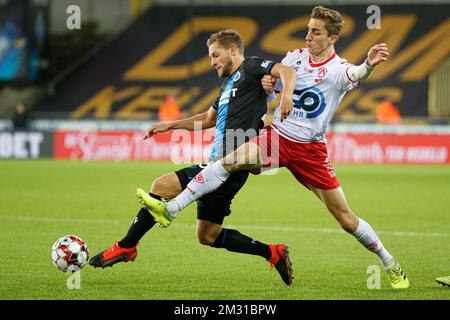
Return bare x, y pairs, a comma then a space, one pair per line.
206, 181
368, 238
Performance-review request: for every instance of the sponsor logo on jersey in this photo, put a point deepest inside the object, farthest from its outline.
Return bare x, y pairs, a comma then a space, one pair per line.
309, 103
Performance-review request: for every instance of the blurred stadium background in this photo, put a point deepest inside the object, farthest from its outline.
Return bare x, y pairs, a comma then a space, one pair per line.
89, 92
129, 57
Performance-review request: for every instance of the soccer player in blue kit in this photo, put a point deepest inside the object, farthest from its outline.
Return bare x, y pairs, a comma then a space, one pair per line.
237, 116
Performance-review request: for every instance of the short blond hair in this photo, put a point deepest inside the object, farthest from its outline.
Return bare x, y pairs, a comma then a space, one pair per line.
227, 37
332, 18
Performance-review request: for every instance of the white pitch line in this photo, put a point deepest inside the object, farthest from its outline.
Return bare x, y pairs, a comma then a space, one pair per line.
249, 227
59, 220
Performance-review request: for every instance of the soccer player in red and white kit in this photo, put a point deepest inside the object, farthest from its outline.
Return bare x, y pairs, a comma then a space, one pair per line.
297, 140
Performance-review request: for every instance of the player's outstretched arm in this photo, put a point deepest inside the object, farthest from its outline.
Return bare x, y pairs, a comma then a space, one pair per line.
288, 78
377, 54
207, 119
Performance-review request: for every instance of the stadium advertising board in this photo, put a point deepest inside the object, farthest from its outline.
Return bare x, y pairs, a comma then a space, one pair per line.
165, 52
389, 148
181, 147
193, 147
25, 145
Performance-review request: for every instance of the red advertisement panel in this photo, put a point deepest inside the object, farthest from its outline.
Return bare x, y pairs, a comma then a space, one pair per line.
389, 148
178, 146
181, 146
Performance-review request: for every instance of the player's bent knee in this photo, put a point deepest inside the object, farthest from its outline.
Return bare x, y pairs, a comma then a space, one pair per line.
166, 186
158, 187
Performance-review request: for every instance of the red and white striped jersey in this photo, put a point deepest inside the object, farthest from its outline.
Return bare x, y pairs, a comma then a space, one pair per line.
319, 90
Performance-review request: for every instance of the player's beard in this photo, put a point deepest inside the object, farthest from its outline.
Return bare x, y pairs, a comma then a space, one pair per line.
226, 69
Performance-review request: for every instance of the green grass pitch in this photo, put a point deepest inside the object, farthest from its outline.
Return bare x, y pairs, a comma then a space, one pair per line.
40, 201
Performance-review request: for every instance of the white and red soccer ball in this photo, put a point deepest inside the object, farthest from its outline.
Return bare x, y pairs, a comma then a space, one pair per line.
70, 253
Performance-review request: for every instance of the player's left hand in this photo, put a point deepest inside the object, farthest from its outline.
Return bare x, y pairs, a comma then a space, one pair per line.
286, 107
378, 53
268, 83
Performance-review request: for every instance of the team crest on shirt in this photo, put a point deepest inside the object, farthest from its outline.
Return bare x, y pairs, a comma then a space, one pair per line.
237, 76
322, 72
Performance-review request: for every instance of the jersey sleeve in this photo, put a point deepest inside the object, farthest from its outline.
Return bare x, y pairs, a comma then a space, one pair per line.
344, 81
258, 67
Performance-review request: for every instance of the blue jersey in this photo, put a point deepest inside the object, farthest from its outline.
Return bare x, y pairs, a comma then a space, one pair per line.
240, 106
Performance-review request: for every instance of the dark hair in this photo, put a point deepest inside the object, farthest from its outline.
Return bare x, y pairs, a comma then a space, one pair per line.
226, 38
333, 19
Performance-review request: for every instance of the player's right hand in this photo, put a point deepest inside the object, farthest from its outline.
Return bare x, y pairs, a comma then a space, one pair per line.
157, 128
